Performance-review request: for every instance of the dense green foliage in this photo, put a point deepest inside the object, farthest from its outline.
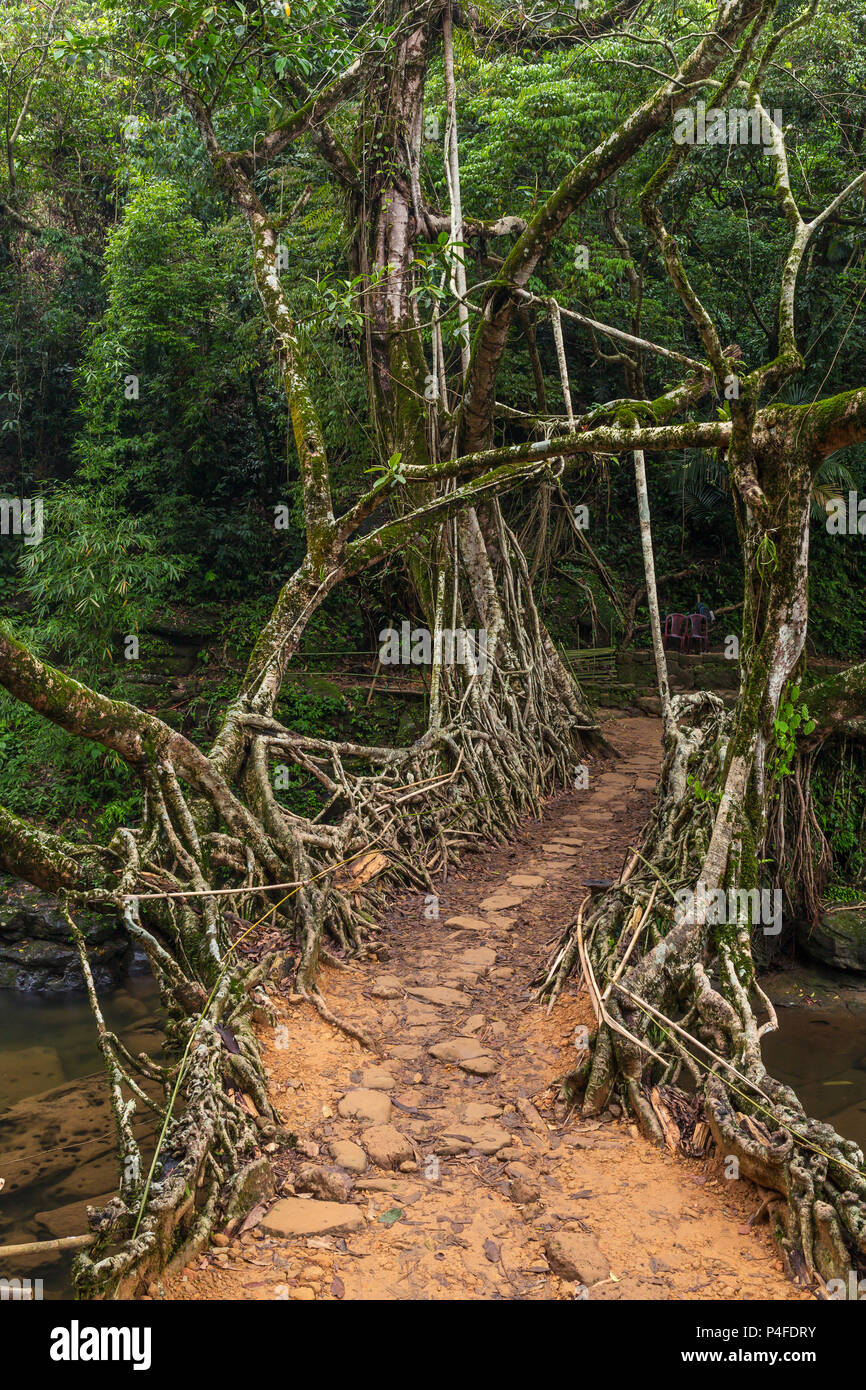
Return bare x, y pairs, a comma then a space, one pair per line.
839, 792
138, 395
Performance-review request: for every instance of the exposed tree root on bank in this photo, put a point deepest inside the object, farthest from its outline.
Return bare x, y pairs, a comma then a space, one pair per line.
675, 995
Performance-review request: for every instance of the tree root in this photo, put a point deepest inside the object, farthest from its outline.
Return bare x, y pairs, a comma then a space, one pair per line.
352, 1030
678, 991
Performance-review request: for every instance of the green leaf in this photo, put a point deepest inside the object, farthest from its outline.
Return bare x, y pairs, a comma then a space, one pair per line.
389, 1217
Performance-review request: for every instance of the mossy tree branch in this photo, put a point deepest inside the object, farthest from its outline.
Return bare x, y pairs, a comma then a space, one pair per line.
610, 155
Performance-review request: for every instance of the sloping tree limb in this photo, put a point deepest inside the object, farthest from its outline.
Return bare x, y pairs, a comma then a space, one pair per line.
45, 860
590, 174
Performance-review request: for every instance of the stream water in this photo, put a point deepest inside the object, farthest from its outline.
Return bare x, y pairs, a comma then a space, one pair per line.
56, 1129
63, 1026
820, 1048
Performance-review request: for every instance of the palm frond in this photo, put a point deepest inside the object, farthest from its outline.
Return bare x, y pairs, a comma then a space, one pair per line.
833, 480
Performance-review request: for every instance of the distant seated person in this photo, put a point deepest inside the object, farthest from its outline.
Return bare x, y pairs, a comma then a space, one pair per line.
705, 612
700, 622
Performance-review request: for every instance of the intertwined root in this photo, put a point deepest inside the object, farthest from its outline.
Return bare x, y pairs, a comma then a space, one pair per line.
821, 1223
675, 993
207, 1166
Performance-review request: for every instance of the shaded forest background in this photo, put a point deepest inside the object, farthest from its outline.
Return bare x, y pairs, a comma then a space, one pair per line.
160, 509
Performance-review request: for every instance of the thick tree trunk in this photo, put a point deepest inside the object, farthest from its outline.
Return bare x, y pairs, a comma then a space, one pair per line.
523, 708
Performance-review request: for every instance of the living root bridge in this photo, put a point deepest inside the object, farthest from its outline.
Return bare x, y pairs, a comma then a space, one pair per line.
676, 998
406, 816
498, 740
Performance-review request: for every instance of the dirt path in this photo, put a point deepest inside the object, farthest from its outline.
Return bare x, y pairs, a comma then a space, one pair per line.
440, 1168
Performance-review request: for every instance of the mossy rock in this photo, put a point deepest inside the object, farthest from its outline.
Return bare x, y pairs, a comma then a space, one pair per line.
717, 673
193, 627
37, 955
618, 696
253, 1184
839, 939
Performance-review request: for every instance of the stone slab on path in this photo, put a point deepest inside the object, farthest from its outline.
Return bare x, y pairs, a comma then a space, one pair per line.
475, 1112
487, 1138
299, 1216
438, 994
349, 1155
576, 1257
373, 1079
485, 1065
472, 1025
502, 899
481, 956
421, 1016
457, 1050
370, 1107
387, 987
387, 1147
468, 923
